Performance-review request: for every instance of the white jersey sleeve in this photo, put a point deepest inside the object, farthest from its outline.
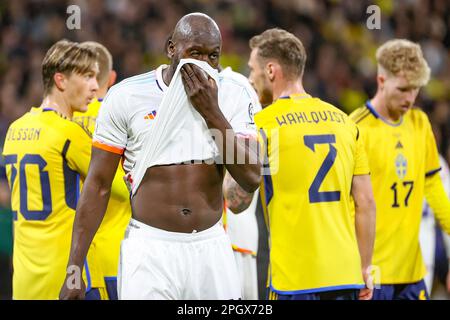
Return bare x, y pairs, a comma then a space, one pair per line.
111, 126
242, 102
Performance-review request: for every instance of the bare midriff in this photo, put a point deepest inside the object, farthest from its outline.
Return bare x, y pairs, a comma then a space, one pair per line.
180, 198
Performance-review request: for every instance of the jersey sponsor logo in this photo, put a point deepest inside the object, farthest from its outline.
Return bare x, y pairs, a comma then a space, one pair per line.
151, 115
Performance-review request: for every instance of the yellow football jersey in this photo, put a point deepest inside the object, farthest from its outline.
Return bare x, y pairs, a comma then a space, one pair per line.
87, 119
312, 152
118, 212
400, 156
45, 155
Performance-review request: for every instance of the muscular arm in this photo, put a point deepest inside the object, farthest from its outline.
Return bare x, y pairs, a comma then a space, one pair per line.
91, 208
365, 212
438, 200
364, 217
202, 92
237, 199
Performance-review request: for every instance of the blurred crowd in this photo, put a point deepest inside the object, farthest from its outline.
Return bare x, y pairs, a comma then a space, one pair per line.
341, 48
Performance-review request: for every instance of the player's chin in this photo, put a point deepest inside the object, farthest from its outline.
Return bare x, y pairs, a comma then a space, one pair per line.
404, 109
83, 108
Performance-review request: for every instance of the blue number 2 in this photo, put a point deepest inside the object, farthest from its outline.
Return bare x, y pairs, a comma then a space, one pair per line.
31, 159
314, 194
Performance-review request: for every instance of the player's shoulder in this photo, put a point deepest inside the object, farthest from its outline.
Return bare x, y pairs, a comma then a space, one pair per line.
418, 116
233, 79
66, 127
361, 115
129, 85
229, 74
19, 122
326, 105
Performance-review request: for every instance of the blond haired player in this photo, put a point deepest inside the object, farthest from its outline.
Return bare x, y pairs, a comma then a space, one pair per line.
46, 154
404, 165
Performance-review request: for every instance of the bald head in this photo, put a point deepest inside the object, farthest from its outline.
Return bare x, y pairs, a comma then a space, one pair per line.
194, 25
195, 36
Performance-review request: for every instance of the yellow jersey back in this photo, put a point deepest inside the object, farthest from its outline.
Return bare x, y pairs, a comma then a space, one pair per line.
400, 156
312, 152
44, 155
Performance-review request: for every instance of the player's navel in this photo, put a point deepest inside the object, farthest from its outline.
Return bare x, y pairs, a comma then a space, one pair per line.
186, 211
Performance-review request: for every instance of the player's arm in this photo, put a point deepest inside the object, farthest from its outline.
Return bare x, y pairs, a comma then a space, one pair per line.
437, 198
202, 92
89, 214
435, 193
237, 199
365, 212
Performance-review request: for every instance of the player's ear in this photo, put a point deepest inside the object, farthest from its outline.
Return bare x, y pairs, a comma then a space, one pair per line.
112, 78
270, 70
60, 81
381, 79
170, 49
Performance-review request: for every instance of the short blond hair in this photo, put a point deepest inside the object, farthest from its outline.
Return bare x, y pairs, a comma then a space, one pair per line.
401, 56
66, 57
282, 46
105, 61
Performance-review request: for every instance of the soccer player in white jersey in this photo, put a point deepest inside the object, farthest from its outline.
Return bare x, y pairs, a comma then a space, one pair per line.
175, 247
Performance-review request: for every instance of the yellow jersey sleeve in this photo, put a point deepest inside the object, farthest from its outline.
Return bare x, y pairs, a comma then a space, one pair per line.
361, 162
77, 149
432, 164
438, 200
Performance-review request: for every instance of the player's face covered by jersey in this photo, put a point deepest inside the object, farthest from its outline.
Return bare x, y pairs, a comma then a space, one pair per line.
259, 79
398, 94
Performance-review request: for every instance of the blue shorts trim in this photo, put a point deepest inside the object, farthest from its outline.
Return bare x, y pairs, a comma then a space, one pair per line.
315, 290
111, 288
92, 294
406, 291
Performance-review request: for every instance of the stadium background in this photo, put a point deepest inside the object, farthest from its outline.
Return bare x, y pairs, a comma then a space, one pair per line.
340, 68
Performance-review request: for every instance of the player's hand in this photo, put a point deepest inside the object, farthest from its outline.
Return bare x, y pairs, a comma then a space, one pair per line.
69, 291
201, 90
448, 281
367, 292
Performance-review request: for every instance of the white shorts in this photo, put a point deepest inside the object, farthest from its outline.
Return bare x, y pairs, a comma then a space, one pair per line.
162, 265
247, 268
